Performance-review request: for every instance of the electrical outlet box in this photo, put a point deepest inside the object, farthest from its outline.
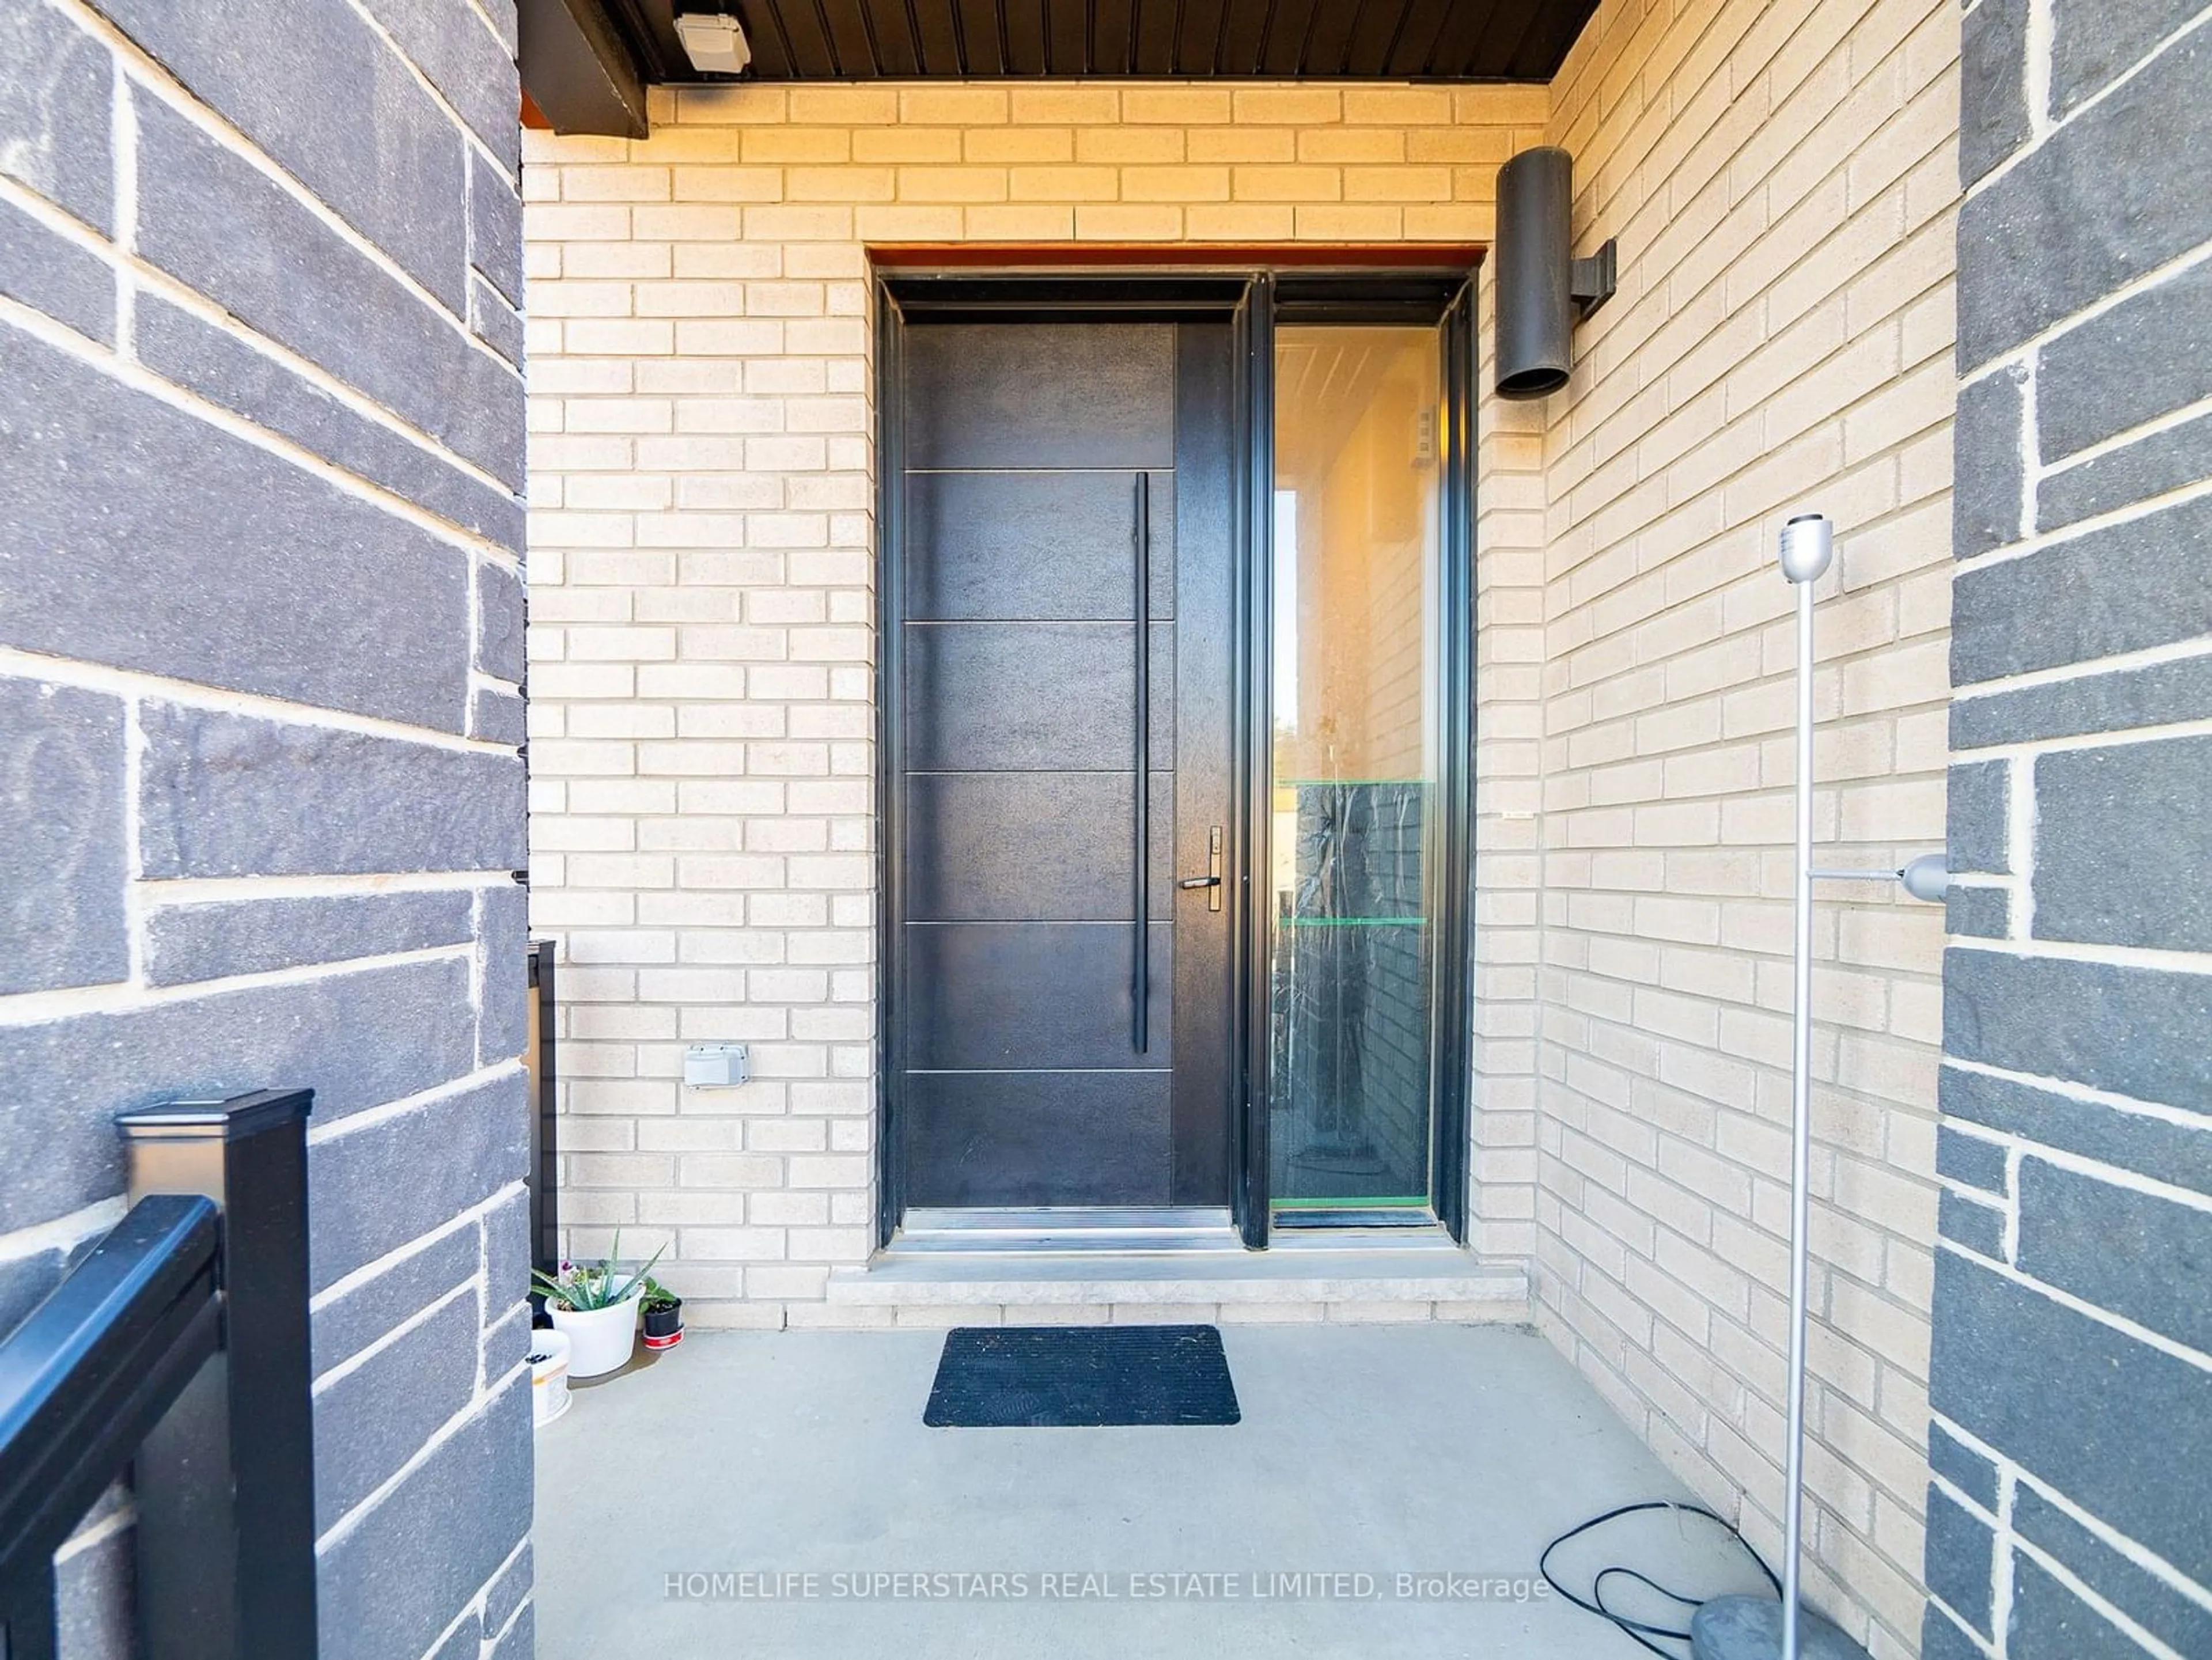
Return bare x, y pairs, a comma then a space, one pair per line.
716, 1065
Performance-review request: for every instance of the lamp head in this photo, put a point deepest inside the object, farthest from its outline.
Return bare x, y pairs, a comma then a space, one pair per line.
1926, 878
1808, 543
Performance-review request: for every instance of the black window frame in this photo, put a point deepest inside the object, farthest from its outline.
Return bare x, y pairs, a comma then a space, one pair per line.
1254, 299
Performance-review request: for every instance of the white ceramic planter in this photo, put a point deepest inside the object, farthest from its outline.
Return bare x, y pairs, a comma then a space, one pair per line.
549, 1375
599, 1340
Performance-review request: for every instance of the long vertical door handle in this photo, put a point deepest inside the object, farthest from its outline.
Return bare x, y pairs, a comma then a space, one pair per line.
1140, 972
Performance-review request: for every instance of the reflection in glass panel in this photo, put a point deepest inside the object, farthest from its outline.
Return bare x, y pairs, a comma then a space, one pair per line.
1354, 676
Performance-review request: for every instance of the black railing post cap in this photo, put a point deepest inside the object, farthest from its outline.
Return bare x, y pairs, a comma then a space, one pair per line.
231, 1120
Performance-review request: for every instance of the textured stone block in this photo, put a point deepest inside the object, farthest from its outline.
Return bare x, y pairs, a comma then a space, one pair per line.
25, 1282
225, 370
199, 205
1962, 1467
347, 1324
54, 106
2122, 853
495, 229
1977, 816
495, 322
2147, 356
1961, 1558
2137, 1032
185, 943
520, 1640
499, 717
51, 274
95, 1595
506, 1591
356, 1039
242, 569
506, 1342
278, 70
503, 946
2152, 1602
229, 795
2146, 1259
63, 867
1988, 496
396, 1580
1978, 1227
448, 40
1992, 78
2104, 199
1941, 1637
394, 1181
464, 1642
2176, 1153
2050, 1622
2126, 587
2092, 41
1970, 1159
506, 1248
502, 17
1977, 913
1998, 1347
2152, 466
500, 606
372, 1420
2154, 696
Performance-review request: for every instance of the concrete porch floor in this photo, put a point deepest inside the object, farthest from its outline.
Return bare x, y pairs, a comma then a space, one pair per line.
1379, 1450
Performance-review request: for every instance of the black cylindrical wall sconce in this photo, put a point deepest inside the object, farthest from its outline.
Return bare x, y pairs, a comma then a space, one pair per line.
1542, 290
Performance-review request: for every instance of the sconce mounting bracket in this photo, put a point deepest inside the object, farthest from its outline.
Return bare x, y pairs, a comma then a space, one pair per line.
1594, 279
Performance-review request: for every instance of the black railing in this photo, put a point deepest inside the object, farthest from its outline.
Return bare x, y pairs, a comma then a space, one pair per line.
178, 1349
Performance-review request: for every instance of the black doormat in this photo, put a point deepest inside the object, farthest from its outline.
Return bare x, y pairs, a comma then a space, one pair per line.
1080, 1376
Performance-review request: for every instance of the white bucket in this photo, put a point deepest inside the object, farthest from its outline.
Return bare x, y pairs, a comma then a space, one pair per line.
549, 1375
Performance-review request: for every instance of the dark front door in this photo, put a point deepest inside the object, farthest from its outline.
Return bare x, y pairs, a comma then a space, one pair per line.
1061, 603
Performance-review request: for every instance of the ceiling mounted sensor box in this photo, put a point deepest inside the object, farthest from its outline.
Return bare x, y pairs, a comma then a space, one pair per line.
1542, 289
714, 43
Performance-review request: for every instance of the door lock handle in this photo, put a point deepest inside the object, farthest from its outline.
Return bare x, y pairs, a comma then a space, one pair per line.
1212, 880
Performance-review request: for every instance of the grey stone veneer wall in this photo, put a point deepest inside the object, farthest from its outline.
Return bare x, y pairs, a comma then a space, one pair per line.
261, 453
2071, 1380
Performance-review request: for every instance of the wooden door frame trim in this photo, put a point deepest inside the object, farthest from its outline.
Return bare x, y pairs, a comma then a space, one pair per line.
1233, 258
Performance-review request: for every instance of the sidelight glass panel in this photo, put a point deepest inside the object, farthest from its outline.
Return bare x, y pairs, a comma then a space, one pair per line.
1354, 686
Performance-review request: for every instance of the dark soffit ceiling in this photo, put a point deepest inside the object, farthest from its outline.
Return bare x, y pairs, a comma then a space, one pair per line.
1286, 39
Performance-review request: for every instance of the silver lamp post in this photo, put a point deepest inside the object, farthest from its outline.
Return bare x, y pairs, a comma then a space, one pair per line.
1757, 1627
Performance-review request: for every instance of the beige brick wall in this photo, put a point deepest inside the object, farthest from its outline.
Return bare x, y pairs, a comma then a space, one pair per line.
701, 558
1783, 178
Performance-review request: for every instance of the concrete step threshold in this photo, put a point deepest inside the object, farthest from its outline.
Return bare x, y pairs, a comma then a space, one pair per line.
1191, 1261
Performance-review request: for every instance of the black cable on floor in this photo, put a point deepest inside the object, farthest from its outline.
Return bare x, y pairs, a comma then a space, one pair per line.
1637, 1631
